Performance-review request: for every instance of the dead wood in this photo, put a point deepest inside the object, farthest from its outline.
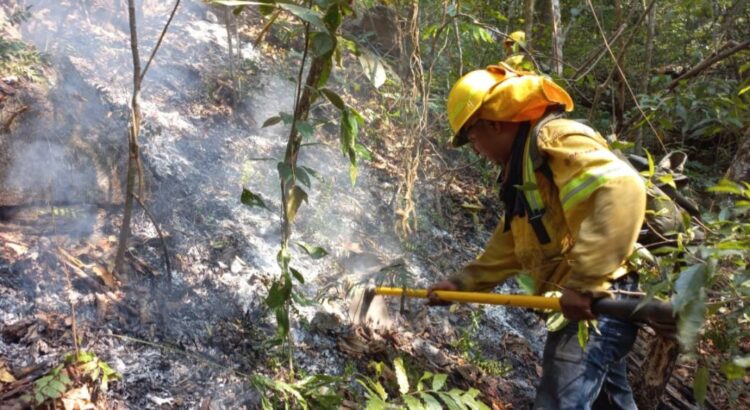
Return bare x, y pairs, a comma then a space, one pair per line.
728, 50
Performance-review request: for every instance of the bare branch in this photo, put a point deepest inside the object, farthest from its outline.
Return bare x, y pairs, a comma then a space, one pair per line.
729, 49
161, 38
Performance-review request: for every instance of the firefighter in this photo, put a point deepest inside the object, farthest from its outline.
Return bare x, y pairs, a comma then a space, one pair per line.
573, 212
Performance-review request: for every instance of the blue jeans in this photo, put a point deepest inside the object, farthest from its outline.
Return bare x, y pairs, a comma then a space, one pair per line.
592, 379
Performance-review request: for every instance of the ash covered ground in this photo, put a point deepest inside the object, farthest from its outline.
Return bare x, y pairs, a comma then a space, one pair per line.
181, 345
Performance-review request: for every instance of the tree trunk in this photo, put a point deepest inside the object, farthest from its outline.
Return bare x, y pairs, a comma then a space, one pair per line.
557, 53
133, 152
653, 374
739, 170
528, 13
619, 91
651, 23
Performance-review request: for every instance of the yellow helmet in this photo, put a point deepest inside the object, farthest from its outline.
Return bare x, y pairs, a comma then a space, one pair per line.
467, 95
500, 93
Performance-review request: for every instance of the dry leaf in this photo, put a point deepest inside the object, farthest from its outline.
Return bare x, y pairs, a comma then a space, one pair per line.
17, 248
105, 276
5, 376
78, 399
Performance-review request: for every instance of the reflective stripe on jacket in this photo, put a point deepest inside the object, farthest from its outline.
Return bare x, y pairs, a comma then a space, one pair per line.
593, 214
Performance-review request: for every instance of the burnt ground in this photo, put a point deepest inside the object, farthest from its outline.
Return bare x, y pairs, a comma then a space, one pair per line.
188, 343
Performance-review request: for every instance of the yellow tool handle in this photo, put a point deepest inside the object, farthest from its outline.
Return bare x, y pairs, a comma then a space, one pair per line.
536, 302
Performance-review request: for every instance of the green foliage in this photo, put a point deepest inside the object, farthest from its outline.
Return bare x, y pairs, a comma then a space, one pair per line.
472, 352
415, 396
311, 392
19, 59
54, 384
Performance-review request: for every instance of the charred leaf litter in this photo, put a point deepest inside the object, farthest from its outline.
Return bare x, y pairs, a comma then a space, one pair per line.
195, 150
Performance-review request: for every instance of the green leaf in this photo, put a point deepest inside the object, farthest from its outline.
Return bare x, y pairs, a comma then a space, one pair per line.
690, 320
700, 384
251, 199
305, 129
732, 371
57, 385
583, 333
438, 381
353, 173
556, 321
315, 252
374, 403
293, 202
306, 15
333, 17
334, 98
297, 275
271, 121
401, 377
373, 68
322, 44
526, 283
285, 172
688, 285
431, 403
744, 90
282, 321
278, 294
362, 152
412, 403
450, 403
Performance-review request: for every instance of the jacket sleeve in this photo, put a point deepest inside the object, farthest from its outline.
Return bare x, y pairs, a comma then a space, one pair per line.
604, 201
494, 265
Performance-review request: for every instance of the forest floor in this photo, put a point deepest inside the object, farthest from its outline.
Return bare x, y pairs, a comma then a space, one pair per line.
188, 339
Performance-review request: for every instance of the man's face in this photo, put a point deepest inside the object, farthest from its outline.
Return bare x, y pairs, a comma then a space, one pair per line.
492, 139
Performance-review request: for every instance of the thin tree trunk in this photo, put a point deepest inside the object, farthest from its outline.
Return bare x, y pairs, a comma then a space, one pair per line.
528, 13
739, 170
557, 53
133, 152
655, 373
651, 24
228, 24
619, 91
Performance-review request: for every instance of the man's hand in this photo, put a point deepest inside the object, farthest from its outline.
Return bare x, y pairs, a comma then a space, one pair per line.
442, 285
576, 305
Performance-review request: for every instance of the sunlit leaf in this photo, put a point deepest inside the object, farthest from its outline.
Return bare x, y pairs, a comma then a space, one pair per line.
363, 152
315, 252
526, 283
401, 377
431, 403
373, 68
412, 403
556, 321
438, 381
296, 196
583, 333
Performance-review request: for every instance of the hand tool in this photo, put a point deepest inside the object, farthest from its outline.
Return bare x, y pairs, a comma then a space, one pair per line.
657, 314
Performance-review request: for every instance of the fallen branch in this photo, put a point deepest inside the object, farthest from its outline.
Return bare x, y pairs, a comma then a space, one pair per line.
161, 237
708, 62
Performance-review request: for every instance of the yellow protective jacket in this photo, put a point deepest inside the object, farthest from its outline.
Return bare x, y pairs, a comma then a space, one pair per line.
594, 212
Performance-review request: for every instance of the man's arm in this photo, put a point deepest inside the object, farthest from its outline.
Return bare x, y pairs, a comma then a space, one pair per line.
494, 265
